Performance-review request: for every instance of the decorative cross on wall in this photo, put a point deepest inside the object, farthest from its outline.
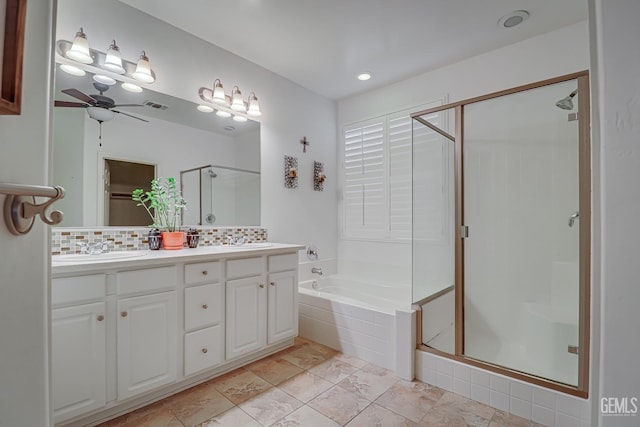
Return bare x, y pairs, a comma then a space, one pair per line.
304, 143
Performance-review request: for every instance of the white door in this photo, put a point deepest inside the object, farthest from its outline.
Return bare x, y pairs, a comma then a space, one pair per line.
246, 316
78, 359
282, 306
147, 343
24, 271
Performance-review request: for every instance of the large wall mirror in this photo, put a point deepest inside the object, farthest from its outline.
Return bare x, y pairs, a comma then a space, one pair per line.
163, 132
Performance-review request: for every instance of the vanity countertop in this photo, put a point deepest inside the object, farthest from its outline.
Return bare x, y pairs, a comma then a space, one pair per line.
64, 264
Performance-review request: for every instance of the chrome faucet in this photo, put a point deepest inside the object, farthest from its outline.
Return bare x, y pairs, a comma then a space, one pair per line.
95, 248
317, 270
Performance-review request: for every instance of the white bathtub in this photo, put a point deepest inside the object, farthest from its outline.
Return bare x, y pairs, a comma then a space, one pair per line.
356, 318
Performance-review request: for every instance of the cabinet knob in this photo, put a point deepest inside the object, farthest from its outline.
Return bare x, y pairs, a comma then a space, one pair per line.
124, 314
272, 283
261, 285
204, 350
205, 306
100, 318
205, 272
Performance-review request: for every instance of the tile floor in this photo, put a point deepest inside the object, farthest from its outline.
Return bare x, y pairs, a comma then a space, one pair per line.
311, 385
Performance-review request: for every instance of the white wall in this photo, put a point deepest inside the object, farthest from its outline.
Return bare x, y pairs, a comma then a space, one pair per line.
24, 260
616, 96
184, 63
560, 52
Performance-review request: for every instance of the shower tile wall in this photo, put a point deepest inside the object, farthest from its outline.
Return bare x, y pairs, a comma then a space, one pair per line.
63, 240
528, 401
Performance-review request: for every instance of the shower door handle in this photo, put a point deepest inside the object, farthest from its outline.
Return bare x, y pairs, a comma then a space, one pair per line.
573, 217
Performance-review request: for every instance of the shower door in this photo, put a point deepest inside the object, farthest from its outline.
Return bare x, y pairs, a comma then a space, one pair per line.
522, 232
521, 214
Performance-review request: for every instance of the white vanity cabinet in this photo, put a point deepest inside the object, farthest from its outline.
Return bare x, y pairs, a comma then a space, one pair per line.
203, 316
246, 306
78, 350
147, 327
126, 333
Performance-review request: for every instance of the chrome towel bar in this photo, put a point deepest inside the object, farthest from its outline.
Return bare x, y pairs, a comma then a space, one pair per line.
20, 207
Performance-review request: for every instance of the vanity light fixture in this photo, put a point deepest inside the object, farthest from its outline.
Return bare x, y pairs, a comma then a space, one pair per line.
143, 70
77, 58
113, 60
229, 106
80, 49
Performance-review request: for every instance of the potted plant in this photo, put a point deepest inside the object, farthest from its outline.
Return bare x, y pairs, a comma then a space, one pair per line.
164, 204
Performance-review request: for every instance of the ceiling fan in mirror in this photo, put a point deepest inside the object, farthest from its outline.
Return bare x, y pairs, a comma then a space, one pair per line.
99, 107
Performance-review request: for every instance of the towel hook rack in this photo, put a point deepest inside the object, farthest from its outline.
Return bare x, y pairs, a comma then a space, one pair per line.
20, 207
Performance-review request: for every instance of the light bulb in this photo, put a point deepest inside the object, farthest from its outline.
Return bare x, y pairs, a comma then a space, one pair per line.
143, 70
237, 104
80, 49
113, 60
218, 93
254, 106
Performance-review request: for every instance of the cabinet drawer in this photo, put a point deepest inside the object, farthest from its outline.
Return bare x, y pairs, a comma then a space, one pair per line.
245, 267
202, 272
202, 349
150, 279
202, 306
283, 262
75, 289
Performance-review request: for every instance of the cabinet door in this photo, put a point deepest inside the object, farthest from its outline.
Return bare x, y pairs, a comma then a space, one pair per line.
283, 306
78, 359
147, 343
245, 315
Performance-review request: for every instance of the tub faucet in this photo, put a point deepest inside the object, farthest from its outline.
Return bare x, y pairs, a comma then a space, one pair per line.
317, 270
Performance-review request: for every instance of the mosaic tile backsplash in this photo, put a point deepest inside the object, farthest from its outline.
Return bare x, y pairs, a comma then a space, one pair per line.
64, 239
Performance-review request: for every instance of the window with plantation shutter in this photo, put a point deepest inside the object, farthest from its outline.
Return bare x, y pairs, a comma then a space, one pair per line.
376, 177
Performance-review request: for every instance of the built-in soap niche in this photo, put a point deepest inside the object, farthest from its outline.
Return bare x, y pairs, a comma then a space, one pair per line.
290, 172
318, 176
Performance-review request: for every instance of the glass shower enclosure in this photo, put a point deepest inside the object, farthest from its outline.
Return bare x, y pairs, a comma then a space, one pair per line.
501, 231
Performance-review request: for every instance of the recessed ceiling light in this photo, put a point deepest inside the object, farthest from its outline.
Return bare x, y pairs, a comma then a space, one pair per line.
512, 19
238, 118
204, 108
222, 113
364, 76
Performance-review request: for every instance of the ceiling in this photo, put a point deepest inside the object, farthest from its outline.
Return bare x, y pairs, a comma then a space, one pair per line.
324, 44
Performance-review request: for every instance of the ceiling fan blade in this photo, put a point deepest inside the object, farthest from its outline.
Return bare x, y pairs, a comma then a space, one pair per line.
120, 112
70, 104
129, 105
79, 95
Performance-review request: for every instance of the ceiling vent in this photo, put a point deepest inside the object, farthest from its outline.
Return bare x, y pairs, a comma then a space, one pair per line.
155, 105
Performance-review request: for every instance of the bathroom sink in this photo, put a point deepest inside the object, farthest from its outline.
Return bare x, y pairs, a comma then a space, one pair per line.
108, 256
248, 246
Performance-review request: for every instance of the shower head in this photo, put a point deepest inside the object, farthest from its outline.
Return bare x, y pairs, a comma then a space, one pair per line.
567, 103
211, 173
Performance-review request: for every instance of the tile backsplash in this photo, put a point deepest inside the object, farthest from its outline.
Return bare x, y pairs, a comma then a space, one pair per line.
64, 239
